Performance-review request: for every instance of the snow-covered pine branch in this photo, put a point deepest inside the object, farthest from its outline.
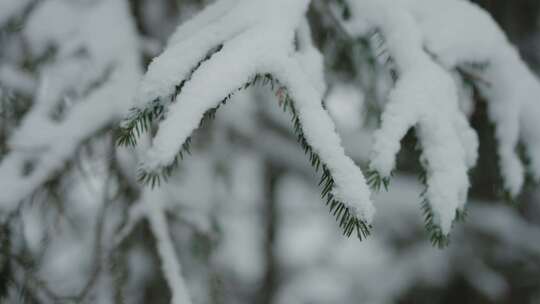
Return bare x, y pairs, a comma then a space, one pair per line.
425, 98
427, 47
502, 78
231, 46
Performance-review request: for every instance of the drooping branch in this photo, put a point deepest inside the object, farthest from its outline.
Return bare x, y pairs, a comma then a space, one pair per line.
262, 54
425, 98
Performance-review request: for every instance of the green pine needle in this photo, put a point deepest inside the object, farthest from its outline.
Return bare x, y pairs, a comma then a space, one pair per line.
436, 236
377, 182
139, 122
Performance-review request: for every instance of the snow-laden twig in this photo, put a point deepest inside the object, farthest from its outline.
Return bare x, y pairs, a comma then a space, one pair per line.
151, 206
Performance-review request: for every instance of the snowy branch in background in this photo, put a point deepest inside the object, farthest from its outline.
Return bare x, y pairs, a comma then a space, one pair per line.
155, 213
96, 61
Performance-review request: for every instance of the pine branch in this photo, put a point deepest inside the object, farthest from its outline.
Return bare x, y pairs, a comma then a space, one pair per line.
436, 236
471, 74
346, 219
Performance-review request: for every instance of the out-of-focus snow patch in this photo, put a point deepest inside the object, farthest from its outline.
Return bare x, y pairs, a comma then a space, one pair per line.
346, 106
378, 270
241, 249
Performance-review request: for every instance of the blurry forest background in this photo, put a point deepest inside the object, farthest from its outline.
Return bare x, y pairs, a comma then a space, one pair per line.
244, 210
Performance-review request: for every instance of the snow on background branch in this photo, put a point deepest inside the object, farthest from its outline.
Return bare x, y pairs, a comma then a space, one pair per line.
96, 44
